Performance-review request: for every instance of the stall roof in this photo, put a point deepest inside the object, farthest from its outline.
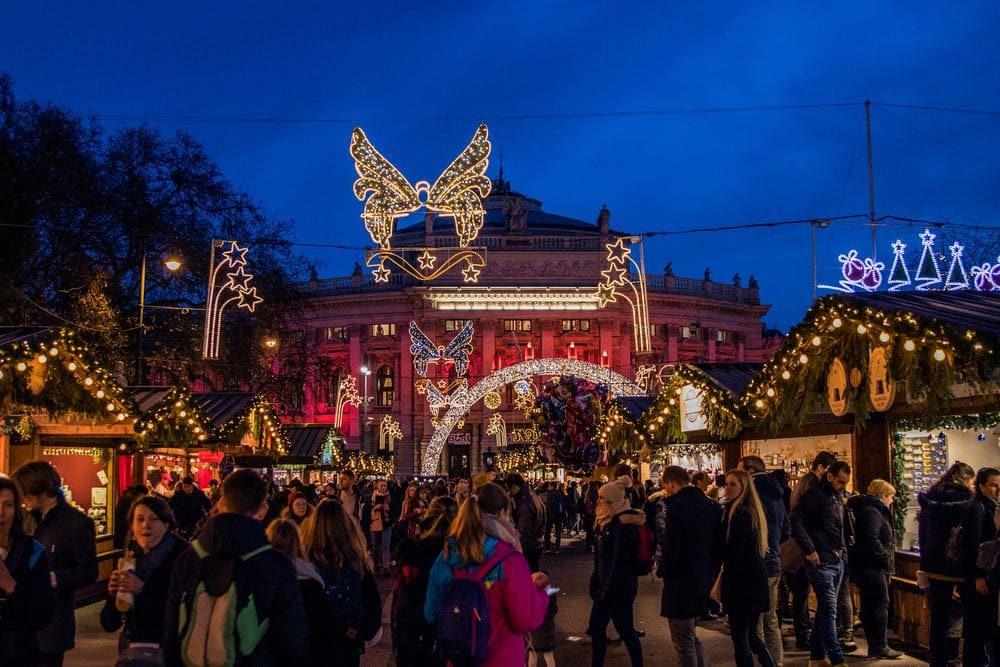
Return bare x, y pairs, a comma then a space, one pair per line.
306, 441
10, 335
634, 405
222, 406
148, 397
977, 311
733, 377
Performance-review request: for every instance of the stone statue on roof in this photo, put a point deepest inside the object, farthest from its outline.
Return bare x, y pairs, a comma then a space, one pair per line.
668, 270
516, 214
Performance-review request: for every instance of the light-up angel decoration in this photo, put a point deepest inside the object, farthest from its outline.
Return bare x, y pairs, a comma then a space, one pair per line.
614, 281
457, 193
442, 394
456, 352
228, 282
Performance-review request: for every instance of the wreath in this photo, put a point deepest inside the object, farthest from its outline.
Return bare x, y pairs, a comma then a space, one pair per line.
567, 413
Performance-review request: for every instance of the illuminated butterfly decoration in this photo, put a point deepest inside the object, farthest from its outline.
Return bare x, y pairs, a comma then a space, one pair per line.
443, 398
457, 193
425, 352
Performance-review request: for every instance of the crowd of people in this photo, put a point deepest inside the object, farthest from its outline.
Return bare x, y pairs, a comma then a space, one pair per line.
252, 574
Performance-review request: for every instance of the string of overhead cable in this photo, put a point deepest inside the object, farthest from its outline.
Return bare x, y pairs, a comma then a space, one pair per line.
77, 324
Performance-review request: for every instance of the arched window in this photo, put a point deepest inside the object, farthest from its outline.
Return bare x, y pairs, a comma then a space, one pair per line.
385, 387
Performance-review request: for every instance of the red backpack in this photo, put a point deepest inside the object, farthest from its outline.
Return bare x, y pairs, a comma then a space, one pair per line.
646, 553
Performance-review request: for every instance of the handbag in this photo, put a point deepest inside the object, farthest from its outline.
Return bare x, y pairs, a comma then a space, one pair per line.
953, 550
986, 560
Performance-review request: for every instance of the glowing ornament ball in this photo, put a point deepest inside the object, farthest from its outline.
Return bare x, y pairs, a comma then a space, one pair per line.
566, 414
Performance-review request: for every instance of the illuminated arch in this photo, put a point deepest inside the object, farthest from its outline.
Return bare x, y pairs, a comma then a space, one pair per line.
618, 384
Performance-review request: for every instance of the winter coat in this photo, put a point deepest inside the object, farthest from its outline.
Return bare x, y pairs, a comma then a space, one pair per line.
615, 557
555, 503
328, 637
412, 635
144, 621
529, 517
873, 547
691, 545
656, 514
818, 523
772, 496
977, 527
544, 638
189, 508
29, 608
275, 591
941, 509
516, 605
744, 575
69, 537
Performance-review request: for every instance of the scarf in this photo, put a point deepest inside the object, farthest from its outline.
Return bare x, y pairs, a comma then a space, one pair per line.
146, 563
604, 515
502, 529
306, 570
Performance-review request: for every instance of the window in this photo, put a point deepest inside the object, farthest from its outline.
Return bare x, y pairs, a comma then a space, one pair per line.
383, 329
689, 332
517, 325
385, 387
728, 337
575, 325
336, 333
454, 325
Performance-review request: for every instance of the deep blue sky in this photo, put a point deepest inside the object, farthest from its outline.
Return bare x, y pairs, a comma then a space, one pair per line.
373, 63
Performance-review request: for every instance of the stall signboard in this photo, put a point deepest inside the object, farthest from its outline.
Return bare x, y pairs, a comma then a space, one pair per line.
881, 390
460, 438
692, 417
836, 387
210, 457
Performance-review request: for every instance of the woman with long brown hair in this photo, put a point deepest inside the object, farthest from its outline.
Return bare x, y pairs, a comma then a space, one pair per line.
333, 542
412, 636
412, 512
517, 599
744, 589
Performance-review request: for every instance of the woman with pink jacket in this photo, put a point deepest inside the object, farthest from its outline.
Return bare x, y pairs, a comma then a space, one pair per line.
516, 597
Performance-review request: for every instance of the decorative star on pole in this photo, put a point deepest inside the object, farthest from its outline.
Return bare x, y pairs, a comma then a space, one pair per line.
427, 261
381, 274
615, 274
470, 274
239, 279
249, 299
235, 255
606, 294
618, 253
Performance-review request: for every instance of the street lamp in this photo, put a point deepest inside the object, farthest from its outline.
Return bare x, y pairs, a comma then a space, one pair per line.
172, 264
364, 411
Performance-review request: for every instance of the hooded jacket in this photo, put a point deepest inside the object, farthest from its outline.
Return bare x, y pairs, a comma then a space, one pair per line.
941, 509
772, 497
274, 586
615, 556
873, 546
818, 523
516, 605
691, 550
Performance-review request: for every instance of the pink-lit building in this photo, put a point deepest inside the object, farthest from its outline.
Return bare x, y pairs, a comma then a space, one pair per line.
534, 299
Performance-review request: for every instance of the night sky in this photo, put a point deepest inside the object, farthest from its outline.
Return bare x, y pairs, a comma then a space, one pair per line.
559, 85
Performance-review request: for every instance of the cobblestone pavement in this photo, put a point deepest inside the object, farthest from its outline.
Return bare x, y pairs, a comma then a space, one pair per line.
570, 571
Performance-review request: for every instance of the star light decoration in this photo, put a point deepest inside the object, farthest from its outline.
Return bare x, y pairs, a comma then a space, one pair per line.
457, 193
348, 396
228, 283
865, 274
389, 432
616, 283
459, 405
498, 427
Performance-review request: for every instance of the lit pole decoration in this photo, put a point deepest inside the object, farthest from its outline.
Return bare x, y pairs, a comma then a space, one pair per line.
457, 193
228, 282
364, 409
498, 428
348, 396
618, 385
616, 278
389, 432
865, 274
172, 264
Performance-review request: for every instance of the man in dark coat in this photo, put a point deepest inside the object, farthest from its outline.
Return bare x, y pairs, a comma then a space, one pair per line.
772, 497
818, 527
529, 517
555, 516
234, 533
190, 505
978, 526
69, 537
690, 561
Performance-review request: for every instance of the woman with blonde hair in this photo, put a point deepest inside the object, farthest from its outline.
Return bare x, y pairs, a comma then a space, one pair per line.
333, 543
744, 589
516, 598
870, 559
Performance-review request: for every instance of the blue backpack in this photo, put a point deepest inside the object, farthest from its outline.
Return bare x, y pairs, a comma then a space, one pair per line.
346, 599
462, 626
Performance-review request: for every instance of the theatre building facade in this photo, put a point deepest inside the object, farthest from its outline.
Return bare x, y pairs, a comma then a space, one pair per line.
536, 297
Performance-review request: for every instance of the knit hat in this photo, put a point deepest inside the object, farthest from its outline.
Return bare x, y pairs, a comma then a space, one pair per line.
295, 495
614, 493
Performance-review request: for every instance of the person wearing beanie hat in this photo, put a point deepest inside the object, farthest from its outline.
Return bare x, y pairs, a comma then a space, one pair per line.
298, 508
614, 582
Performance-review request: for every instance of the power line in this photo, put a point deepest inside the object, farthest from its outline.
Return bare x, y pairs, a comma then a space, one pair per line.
924, 107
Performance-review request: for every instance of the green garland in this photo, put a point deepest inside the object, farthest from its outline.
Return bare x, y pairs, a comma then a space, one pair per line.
518, 458
722, 417
260, 420
926, 355
371, 464
175, 421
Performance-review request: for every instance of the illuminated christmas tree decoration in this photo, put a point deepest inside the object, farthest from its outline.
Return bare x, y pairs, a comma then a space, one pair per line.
957, 278
899, 275
228, 283
389, 432
498, 427
615, 278
459, 405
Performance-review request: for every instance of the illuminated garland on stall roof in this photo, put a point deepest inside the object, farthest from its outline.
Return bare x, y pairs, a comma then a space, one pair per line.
371, 464
518, 459
260, 419
930, 357
174, 422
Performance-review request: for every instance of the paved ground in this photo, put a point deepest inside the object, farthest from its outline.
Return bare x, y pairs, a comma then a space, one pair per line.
569, 571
